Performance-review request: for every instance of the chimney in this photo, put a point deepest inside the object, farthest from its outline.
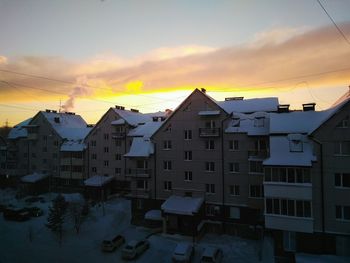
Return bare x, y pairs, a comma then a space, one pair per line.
309, 106
47, 110
203, 90
134, 110
283, 108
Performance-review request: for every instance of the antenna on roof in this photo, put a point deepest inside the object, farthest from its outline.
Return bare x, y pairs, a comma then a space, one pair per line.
60, 107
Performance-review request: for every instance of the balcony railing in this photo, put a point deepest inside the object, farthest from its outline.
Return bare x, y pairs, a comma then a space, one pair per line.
139, 173
258, 153
118, 135
209, 132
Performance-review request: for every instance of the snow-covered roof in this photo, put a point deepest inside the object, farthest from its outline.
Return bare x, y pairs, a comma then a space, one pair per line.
34, 177
118, 122
68, 126
182, 205
74, 198
145, 130
209, 113
154, 215
140, 147
253, 124
249, 105
281, 154
73, 146
98, 180
19, 131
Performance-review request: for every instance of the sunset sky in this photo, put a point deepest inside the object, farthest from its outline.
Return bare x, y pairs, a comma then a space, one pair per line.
90, 55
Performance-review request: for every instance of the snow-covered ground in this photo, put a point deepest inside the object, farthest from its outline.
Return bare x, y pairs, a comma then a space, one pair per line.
32, 241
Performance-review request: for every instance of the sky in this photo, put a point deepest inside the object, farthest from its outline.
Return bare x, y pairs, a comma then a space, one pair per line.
86, 56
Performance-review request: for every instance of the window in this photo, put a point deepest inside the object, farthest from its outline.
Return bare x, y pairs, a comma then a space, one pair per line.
260, 145
233, 145
188, 176
65, 168
106, 136
342, 179
212, 210
142, 164
55, 143
93, 143
118, 143
188, 134
287, 175
256, 167
298, 208
209, 166
142, 184
118, 156
342, 148
233, 167
106, 149
106, 163
94, 156
259, 121
295, 146
188, 155
77, 168
166, 145
167, 165
210, 124
343, 123
342, 212
256, 191
210, 188
234, 190
167, 186
118, 170
54, 155
94, 169
235, 212
209, 145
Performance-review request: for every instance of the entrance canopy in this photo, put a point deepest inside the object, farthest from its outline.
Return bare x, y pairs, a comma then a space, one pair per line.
182, 205
34, 177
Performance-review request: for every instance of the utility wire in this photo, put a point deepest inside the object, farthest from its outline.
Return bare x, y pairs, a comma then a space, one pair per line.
334, 23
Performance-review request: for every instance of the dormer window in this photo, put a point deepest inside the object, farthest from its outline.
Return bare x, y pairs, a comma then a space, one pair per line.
259, 121
295, 143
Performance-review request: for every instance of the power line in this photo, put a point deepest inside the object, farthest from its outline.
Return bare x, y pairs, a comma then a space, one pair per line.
334, 23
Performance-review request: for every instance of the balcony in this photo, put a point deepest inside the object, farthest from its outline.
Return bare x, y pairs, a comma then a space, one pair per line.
289, 223
118, 135
260, 154
288, 190
139, 173
209, 132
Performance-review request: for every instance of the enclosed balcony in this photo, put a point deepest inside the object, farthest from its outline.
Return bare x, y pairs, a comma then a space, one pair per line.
118, 135
209, 132
261, 154
139, 173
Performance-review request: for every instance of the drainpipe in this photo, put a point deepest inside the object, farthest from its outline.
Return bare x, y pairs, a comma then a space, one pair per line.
223, 167
322, 183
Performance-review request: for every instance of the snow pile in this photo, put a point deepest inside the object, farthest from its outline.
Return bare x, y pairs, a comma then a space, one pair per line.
140, 147
19, 131
98, 180
309, 258
34, 177
182, 205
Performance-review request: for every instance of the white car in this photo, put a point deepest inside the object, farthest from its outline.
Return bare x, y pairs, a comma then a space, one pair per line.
212, 254
183, 253
113, 243
135, 248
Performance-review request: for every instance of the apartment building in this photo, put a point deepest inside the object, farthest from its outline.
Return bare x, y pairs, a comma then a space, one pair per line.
306, 180
108, 143
48, 145
3, 153
196, 163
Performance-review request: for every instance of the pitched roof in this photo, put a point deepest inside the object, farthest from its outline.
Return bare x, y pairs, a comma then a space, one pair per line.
68, 126
249, 105
19, 131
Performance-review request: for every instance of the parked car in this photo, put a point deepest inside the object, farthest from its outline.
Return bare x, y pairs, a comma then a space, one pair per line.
183, 253
16, 214
135, 248
212, 254
112, 244
34, 211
